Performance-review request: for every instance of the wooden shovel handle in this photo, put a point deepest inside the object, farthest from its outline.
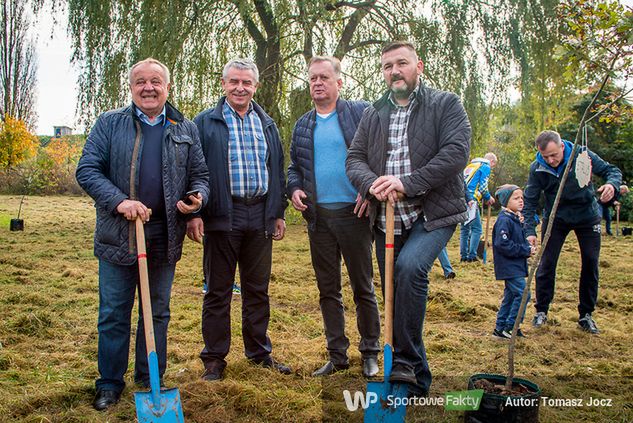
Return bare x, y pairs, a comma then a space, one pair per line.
389, 256
487, 227
146, 303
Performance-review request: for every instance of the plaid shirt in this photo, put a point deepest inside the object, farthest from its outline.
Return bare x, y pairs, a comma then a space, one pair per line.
398, 164
247, 153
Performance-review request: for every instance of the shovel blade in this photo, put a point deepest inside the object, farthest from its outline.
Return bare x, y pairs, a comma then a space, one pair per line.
386, 409
167, 410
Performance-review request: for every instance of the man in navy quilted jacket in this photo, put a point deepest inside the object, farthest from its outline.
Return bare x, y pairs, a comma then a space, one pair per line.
320, 189
140, 157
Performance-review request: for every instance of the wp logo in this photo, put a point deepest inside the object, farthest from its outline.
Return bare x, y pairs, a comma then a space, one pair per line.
364, 400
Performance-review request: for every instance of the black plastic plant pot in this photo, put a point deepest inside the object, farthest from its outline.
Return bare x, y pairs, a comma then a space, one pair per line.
16, 225
495, 408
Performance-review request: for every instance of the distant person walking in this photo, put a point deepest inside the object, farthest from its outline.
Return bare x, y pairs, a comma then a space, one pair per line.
608, 206
476, 176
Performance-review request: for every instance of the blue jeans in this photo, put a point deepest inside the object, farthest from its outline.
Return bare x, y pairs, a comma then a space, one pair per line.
414, 253
469, 238
507, 314
117, 288
445, 262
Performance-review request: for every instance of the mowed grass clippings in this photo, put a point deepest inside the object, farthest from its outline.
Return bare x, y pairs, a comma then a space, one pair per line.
48, 335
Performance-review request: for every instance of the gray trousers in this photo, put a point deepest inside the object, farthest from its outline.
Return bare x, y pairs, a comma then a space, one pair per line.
339, 233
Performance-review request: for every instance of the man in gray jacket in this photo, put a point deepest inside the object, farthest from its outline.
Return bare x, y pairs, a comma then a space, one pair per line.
410, 149
141, 157
320, 189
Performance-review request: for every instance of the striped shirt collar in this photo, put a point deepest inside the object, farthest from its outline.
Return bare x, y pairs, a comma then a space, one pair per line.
160, 119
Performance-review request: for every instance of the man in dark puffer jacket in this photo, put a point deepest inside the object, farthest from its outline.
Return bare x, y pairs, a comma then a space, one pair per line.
411, 144
320, 189
578, 211
143, 156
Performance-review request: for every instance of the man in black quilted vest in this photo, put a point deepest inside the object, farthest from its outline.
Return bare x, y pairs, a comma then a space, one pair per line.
410, 148
320, 189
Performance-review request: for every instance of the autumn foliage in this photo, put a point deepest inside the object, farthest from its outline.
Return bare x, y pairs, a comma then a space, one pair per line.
16, 142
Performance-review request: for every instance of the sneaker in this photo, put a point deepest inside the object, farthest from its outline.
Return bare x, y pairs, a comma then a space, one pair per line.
508, 332
539, 319
501, 334
236, 289
450, 275
588, 325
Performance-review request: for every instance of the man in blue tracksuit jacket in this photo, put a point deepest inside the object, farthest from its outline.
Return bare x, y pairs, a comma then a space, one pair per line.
578, 211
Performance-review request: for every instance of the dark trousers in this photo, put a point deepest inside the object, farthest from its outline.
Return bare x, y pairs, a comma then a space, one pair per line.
340, 233
414, 253
589, 242
606, 214
247, 245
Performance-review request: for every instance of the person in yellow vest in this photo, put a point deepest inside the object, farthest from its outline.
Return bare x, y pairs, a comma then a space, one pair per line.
476, 176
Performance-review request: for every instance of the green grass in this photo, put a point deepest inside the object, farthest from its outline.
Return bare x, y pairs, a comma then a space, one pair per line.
48, 340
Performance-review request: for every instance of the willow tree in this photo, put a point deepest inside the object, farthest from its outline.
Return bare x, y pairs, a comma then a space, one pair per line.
18, 63
468, 46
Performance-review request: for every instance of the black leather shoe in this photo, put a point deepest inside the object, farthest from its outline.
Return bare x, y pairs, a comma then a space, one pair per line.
213, 371
402, 374
370, 366
105, 398
273, 364
329, 368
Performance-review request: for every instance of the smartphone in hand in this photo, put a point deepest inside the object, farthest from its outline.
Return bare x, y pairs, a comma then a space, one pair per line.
186, 198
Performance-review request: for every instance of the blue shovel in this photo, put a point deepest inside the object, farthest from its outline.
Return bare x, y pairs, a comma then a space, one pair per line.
384, 408
159, 405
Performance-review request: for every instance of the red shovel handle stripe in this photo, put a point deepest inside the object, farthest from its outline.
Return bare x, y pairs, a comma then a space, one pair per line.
142, 256
388, 245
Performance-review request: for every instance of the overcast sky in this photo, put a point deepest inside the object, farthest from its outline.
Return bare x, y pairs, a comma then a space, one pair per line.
57, 79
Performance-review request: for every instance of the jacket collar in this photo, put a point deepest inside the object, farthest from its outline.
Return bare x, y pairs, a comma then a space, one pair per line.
341, 105
510, 214
172, 114
384, 100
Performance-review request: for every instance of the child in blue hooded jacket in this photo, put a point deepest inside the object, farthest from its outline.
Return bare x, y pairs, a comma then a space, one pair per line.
511, 250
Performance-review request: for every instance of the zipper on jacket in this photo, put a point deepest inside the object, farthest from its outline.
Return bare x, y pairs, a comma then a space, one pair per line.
314, 200
135, 153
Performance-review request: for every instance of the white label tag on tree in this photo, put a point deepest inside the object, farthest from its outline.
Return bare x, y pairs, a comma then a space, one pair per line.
583, 169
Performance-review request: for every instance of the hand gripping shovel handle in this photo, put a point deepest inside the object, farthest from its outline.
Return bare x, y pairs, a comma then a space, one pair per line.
389, 259
148, 322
